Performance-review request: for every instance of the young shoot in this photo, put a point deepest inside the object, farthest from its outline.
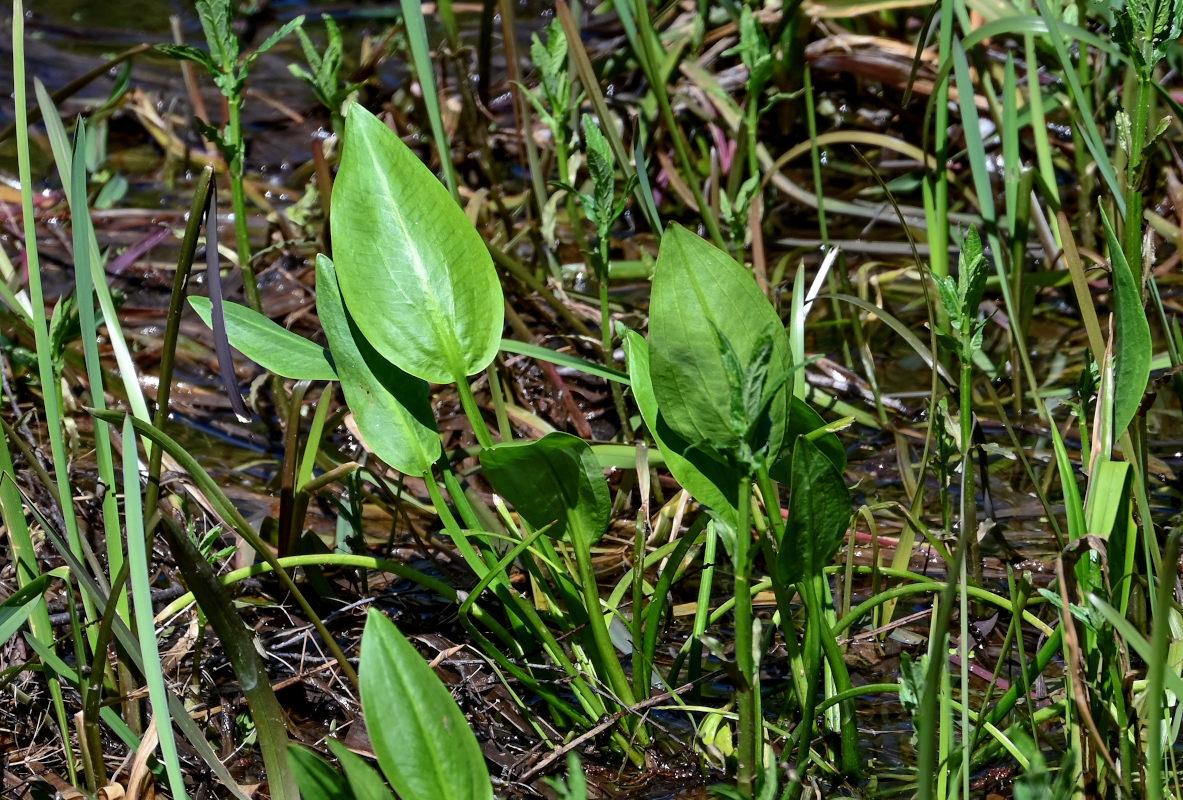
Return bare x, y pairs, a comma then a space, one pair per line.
229, 70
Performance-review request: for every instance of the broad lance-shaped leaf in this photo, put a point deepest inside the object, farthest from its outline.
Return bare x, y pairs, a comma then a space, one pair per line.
1132, 346
272, 347
420, 736
555, 479
414, 273
819, 514
392, 408
701, 298
700, 472
710, 482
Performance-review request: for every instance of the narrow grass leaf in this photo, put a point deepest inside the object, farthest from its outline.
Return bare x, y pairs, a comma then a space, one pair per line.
141, 586
427, 751
563, 360
1108, 516
62, 671
1062, 37
110, 317
130, 646
268, 344
19, 605
1131, 636
905, 332
416, 28
392, 408
1073, 507
83, 234
414, 273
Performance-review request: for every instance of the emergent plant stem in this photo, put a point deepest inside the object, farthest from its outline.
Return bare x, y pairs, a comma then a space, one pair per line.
750, 726
238, 199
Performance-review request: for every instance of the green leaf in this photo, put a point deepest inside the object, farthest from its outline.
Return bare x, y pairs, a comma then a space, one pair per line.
270, 345
707, 479
1132, 346
1109, 499
185, 52
950, 300
696, 287
603, 173
316, 777
364, 781
575, 785
563, 360
425, 748
553, 480
550, 59
19, 605
913, 676
276, 37
216, 17
753, 51
971, 273
416, 275
819, 515
1037, 781
804, 421
392, 409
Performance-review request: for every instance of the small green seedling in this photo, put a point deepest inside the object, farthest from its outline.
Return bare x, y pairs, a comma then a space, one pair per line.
426, 751
323, 74
229, 70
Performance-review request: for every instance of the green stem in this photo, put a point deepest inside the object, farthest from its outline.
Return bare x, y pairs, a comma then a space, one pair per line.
250, 283
969, 508
1160, 640
48, 374
172, 329
459, 537
927, 719
471, 410
750, 726
936, 187
702, 606
605, 651
837, 661
606, 344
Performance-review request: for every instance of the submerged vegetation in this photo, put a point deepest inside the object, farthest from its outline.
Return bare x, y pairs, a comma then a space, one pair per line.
739, 398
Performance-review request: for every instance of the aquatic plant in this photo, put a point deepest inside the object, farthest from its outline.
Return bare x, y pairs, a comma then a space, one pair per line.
740, 487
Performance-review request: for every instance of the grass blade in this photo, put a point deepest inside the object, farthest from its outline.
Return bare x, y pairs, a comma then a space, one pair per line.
141, 587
